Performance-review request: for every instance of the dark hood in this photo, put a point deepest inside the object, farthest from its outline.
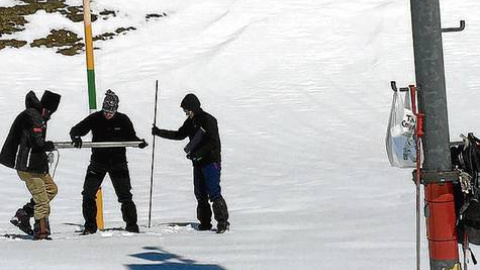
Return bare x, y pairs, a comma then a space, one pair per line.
31, 101
50, 101
190, 102
8, 154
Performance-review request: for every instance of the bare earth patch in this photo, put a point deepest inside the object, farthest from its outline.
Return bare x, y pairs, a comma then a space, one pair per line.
12, 19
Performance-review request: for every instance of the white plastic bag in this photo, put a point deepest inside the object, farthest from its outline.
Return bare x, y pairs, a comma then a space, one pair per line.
400, 139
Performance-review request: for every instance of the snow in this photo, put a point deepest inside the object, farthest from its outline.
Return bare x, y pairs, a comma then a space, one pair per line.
301, 92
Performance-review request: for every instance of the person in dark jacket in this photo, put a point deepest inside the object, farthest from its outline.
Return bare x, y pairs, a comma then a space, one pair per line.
204, 150
25, 151
107, 125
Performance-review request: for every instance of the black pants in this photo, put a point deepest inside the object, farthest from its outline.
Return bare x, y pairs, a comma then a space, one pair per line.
121, 183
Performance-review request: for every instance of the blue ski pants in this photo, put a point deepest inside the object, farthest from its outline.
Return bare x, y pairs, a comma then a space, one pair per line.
206, 181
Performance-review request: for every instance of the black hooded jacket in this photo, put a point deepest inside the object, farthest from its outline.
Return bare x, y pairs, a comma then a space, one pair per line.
117, 129
23, 149
208, 149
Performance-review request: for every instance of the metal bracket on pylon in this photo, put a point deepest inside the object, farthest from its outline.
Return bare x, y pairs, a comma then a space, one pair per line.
455, 29
433, 177
393, 84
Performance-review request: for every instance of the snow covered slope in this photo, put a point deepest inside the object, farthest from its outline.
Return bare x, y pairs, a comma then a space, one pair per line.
301, 92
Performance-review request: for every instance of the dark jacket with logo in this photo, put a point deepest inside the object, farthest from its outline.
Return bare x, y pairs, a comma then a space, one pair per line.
209, 148
24, 147
117, 129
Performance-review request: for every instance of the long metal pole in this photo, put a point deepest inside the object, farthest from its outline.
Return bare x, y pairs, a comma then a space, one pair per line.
419, 133
153, 158
67, 145
430, 77
92, 97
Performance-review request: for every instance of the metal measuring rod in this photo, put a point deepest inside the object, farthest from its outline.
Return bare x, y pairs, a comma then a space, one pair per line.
66, 145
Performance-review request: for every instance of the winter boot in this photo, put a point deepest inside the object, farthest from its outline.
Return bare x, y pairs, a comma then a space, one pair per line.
88, 230
204, 226
223, 227
132, 228
89, 209
204, 215
29, 207
221, 215
129, 215
22, 221
41, 229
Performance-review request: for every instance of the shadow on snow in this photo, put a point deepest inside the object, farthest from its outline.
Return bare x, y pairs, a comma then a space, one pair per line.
168, 261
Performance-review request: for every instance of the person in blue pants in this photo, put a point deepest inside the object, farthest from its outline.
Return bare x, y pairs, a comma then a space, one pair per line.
204, 150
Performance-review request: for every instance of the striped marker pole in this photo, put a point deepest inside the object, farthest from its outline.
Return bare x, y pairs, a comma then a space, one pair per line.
92, 97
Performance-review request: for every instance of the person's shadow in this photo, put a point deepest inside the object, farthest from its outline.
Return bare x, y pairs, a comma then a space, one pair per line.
168, 261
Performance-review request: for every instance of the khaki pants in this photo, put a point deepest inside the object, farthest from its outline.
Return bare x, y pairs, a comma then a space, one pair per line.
43, 190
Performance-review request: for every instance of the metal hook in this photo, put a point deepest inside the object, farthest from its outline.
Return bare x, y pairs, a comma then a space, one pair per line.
393, 84
455, 29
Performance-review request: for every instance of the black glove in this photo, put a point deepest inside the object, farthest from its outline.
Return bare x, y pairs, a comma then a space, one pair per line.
155, 130
77, 142
49, 147
143, 144
193, 157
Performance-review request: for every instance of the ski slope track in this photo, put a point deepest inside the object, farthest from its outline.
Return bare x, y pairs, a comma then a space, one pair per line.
301, 92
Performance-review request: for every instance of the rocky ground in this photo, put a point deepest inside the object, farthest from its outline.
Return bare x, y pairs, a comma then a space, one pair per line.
66, 42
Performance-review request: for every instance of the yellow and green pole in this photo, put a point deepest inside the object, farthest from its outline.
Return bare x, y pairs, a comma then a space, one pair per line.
92, 97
